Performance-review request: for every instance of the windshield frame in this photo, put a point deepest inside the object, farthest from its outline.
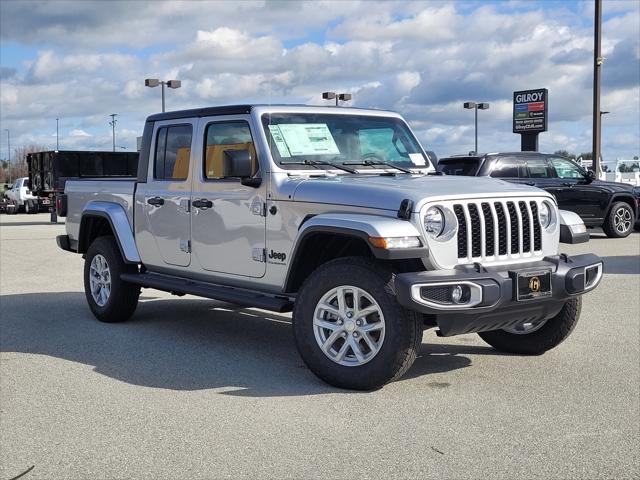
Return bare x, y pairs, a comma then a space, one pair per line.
263, 114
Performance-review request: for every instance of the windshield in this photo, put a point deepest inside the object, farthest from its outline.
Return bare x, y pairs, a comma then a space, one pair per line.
337, 138
459, 166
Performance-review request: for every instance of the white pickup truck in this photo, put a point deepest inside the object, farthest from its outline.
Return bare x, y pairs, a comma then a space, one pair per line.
335, 214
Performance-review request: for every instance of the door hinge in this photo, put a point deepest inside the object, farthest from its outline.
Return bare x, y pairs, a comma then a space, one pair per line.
259, 254
185, 246
259, 207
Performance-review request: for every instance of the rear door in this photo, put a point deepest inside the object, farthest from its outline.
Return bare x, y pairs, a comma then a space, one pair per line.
163, 220
228, 218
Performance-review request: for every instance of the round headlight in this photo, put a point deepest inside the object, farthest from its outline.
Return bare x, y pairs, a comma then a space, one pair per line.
544, 214
434, 222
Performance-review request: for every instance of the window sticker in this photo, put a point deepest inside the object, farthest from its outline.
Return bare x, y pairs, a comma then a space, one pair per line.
308, 139
283, 150
417, 158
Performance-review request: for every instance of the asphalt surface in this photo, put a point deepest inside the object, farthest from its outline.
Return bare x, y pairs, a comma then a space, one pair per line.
192, 388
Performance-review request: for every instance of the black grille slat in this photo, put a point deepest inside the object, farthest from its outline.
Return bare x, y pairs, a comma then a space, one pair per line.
502, 229
482, 225
537, 233
462, 231
526, 227
489, 230
476, 232
515, 228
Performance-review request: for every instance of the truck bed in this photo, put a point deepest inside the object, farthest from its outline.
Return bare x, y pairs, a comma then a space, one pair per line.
81, 192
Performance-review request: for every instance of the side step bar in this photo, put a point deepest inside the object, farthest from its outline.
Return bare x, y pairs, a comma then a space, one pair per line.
216, 292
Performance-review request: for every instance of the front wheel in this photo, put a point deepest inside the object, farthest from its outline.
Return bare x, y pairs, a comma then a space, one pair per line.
536, 337
349, 328
110, 299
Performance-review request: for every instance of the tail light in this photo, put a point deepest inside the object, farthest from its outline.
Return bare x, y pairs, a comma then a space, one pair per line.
61, 205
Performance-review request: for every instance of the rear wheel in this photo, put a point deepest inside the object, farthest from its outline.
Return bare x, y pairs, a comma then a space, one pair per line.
349, 328
536, 337
110, 299
619, 223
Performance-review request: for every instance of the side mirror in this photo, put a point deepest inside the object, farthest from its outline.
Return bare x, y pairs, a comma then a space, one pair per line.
591, 176
236, 163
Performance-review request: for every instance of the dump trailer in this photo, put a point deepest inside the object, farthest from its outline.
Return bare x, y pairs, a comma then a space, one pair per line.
50, 170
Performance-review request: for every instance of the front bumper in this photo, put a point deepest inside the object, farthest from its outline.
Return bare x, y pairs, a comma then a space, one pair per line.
492, 302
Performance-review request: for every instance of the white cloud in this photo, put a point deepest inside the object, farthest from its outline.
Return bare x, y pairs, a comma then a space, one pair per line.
421, 58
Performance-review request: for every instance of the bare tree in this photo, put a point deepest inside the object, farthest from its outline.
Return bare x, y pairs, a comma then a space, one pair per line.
19, 161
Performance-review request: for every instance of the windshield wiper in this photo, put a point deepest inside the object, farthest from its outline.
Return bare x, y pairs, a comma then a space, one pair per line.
315, 163
373, 163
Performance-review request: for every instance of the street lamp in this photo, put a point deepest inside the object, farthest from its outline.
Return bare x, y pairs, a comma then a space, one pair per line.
113, 128
476, 106
154, 82
345, 97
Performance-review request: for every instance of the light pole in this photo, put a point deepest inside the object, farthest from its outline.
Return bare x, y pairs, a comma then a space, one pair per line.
598, 60
113, 128
9, 153
345, 97
476, 106
57, 145
154, 82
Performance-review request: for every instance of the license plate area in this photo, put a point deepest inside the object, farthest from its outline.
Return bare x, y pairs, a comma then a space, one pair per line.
531, 285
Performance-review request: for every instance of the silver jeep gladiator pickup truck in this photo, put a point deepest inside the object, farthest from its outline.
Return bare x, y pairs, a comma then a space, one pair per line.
337, 215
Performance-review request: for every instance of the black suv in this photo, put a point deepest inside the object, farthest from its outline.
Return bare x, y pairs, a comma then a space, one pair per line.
612, 206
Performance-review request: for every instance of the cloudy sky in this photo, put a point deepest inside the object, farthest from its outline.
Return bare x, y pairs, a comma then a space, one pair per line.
81, 61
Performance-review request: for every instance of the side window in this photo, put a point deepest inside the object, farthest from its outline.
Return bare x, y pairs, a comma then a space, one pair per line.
539, 168
508, 167
173, 150
566, 169
223, 136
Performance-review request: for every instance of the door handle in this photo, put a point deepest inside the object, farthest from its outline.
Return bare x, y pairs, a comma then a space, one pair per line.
202, 204
156, 201
531, 184
567, 184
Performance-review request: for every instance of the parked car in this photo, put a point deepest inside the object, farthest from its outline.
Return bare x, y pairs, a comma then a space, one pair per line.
333, 213
612, 206
21, 198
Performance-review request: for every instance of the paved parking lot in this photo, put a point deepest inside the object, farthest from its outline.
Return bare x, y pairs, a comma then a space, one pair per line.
192, 388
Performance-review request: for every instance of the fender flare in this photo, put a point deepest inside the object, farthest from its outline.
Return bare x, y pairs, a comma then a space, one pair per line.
117, 218
572, 228
359, 226
617, 197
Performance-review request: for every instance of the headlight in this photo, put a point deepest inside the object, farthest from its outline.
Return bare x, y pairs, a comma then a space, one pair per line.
434, 222
544, 214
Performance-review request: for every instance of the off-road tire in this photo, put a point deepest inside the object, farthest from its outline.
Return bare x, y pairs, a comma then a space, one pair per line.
550, 335
609, 225
29, 207
123, 299
403, 328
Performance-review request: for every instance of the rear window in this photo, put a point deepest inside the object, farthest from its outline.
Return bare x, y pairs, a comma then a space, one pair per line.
459, 166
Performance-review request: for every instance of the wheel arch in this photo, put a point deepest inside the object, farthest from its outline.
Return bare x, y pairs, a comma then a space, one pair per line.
324, 237
105, 218
623, 197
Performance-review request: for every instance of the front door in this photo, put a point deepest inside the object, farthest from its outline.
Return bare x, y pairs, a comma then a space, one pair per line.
228, 218
163, 219
576, 192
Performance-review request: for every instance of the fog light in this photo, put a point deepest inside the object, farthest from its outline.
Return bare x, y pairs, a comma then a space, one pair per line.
456, 294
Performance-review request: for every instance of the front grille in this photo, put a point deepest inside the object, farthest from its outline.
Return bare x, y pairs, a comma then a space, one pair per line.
506, 227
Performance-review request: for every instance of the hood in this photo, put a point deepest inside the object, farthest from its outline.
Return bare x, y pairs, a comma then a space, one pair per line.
386, 192
613, 187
